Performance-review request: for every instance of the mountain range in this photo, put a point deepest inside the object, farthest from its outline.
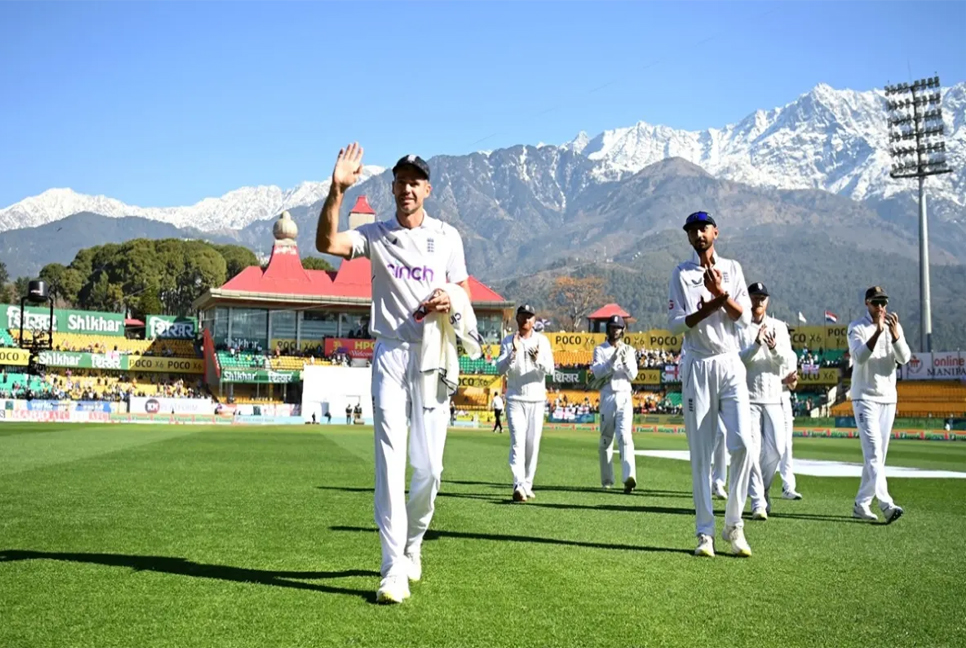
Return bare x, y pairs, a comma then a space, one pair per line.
802, 178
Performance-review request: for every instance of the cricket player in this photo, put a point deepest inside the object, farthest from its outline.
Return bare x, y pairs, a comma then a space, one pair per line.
708, 302
497, 412
766, 349
876, 345
413, 255
786, 467
526, 359
615, 365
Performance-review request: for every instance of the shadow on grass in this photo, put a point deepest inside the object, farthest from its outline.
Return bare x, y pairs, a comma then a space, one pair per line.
814, 518
184, 567
626, 508
498, 537
539, 488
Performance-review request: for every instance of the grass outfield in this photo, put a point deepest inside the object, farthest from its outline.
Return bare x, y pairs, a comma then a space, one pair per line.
194, 536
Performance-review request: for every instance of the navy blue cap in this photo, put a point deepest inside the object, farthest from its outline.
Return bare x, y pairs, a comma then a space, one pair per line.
615, 320
526, 309
758, 288
414, 161
698, 219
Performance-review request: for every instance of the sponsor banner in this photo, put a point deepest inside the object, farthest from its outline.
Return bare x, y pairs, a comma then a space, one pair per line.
938, 365
161, 405
350, 347
65, 321
671, 374
569, 415
285, 344
262, 376
574, 341
172, 328
814, 375
836, 337
648, 377
655, 339
481, 381
833, 337
14, 357
569, 377
158, 364
269, 420
53, 416
120, 362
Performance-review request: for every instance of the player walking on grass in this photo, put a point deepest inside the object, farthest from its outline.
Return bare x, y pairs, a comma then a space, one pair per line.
766, 350
614, 368
786, 467
413, 255
526, 359
708, 302
876, 345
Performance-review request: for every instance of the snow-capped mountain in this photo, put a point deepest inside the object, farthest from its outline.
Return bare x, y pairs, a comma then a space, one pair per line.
835, 140
234, 210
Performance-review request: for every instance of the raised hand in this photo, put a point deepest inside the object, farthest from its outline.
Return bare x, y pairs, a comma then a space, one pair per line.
892, 321
770, 339
880, 321
713, 281
760, 338
516, 343
348, 166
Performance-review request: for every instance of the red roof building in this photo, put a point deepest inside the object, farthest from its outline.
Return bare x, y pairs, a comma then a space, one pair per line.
285, 285
598, 319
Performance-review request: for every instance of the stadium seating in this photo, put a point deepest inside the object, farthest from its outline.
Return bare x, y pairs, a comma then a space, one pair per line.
479, 366
289, 363
573, 358
240, 360
105, 343
23, 381
922, 399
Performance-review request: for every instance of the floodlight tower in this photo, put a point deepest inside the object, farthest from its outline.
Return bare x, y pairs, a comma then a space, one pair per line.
916, 117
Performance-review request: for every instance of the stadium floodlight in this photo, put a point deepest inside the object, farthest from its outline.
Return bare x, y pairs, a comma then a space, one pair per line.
917, 115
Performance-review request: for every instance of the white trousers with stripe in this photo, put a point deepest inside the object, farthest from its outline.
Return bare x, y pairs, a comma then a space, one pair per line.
874, 421
616, 422
396, 406
526, 427
713, 387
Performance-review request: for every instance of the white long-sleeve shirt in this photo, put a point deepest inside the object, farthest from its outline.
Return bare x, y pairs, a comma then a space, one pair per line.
874, 371
621, 370
526, 379
766, 367
717, 333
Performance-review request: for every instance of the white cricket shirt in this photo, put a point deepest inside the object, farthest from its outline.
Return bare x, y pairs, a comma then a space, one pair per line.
766, 367
407, 265
526, 380
622, 373
874, 371
717, 333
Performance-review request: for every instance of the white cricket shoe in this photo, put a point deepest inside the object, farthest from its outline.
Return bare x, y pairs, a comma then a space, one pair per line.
892, 513
519, 495
863, 512
790, 494
705, 546
529, 493
414, 566
760, 513
736, 536
719, 492
393, 589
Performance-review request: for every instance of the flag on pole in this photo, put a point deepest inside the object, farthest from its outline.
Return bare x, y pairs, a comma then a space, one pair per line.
831, 317
801, 318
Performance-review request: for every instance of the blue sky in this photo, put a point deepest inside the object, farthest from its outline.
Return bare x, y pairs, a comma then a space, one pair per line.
165, 104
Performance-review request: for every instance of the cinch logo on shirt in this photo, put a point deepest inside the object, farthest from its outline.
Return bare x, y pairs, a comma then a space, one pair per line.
405, 272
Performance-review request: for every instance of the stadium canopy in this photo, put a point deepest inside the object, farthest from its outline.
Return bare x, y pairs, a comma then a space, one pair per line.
597, 319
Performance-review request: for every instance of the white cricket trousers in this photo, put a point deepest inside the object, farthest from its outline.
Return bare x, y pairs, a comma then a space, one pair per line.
786, 466
526, 427
396, 405
711, 387
719, 461
768, 439
875, 428
616, 421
